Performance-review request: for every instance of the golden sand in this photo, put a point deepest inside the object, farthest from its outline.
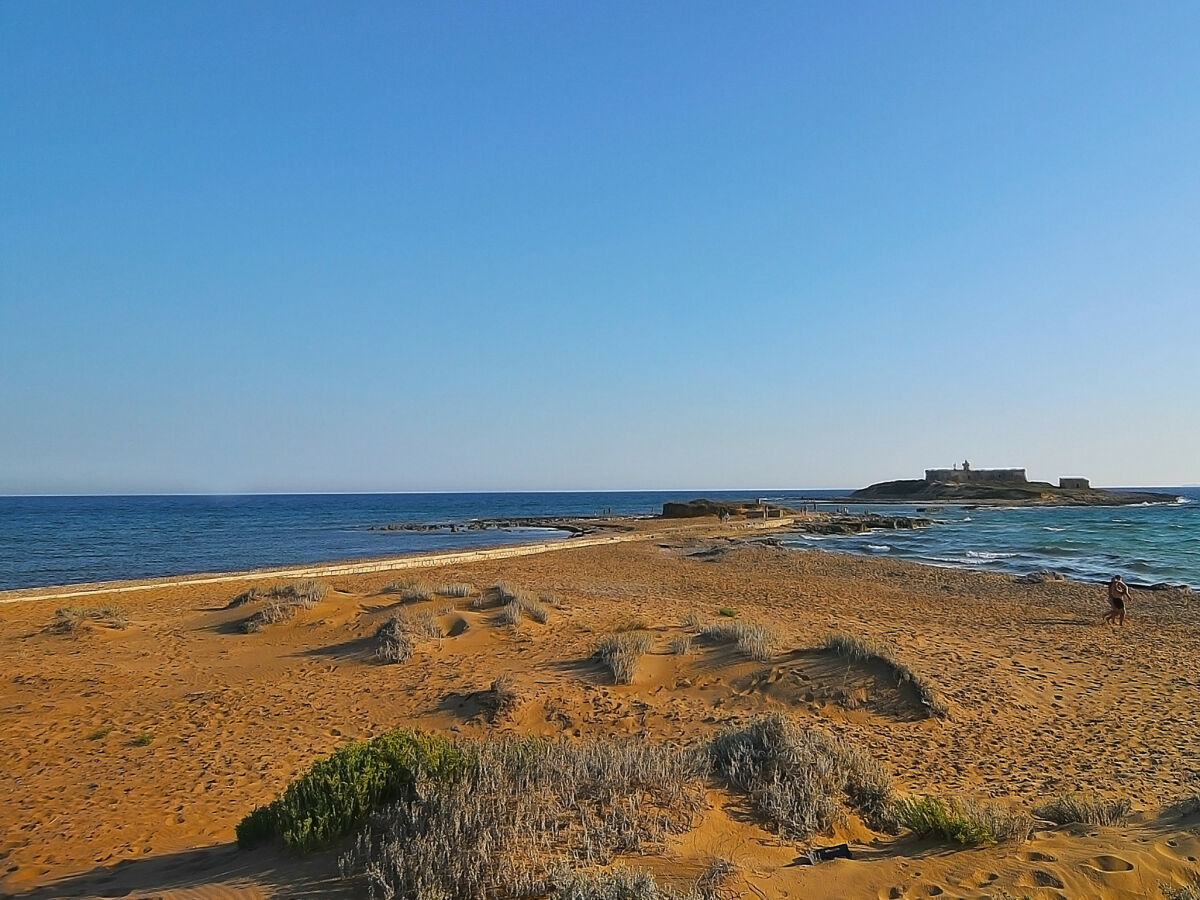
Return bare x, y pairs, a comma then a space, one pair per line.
130, 754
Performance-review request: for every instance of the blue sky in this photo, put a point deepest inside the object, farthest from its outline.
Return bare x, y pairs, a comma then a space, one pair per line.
556, 245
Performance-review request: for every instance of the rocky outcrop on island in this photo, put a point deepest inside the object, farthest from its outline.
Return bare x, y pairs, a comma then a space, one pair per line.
702, 506
575, 525
1026, 493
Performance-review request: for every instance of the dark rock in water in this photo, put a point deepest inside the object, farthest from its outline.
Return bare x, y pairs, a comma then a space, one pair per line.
702, 506
1039, 577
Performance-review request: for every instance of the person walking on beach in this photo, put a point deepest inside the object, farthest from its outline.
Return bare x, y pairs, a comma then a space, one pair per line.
1118, 593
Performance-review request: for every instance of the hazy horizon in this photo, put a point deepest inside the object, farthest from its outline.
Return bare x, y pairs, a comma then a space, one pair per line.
360, 248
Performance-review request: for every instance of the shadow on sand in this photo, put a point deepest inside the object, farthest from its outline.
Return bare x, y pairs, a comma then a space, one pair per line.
220, 866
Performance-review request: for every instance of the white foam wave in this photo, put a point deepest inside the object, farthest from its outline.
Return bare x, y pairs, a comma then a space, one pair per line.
1052, 528
988, 554
878, 548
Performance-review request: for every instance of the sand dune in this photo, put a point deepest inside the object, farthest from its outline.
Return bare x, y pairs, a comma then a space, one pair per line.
131, 753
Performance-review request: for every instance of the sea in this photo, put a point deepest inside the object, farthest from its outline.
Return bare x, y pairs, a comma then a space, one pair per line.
66, 540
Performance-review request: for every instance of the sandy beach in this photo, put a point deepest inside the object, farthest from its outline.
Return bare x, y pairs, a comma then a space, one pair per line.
131, 753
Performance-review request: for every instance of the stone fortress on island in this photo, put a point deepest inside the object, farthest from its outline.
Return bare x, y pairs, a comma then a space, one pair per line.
1005, 487
967, 475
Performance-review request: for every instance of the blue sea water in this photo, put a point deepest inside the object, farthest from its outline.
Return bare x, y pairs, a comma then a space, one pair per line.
1146, 544
65, 540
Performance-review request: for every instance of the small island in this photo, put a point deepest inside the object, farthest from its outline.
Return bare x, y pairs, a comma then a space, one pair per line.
1003, 487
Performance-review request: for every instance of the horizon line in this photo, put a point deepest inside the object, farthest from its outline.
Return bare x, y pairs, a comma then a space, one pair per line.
489, 491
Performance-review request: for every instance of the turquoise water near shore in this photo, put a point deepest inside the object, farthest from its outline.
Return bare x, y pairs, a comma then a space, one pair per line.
64, 540
1146, 544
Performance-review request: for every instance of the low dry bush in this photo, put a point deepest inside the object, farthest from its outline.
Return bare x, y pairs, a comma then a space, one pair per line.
638, 624
522, 817
681, 645
249, 595
756, 641
870, 650
520, 808
425, 624
1190, 890
416, 594
617, 883
531, 607
455, 589
503, 592
511, 614
620, 652
273, 613
1186, 805
692, 621
393, 643
962, 821
306, 594
551, 598
799, 778
502, 697
1084, 809
69, 619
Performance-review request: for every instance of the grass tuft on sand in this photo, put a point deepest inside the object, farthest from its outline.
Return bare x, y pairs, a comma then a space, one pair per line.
621, 651
756, 641
1079, 808
70, 619
962, 821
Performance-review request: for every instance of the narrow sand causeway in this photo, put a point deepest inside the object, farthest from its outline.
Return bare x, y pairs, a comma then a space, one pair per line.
131, 752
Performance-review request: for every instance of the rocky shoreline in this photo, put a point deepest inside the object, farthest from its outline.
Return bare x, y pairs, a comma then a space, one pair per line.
574, 525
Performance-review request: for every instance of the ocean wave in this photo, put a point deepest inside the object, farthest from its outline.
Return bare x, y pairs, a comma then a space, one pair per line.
989, 554
878, 548
1052, 528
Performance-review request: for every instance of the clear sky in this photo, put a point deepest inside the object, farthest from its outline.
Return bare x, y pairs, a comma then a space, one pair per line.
514, 245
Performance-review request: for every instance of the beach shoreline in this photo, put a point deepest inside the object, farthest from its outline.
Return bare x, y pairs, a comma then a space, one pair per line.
1042, 698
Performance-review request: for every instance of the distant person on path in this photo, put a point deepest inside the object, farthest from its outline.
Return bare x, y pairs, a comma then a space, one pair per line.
1118, 593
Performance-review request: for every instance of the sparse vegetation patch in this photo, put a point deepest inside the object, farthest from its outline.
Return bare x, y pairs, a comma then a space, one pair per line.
869, 650
250, 595
1084, 809
962, 821
756, 641
620, 652
393, 643
522, 817
798, 778
456, 589
69, 619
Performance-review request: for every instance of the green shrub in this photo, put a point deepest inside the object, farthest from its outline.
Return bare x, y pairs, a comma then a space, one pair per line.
340, 791
100, 734
961, 821
728, 611
144, 739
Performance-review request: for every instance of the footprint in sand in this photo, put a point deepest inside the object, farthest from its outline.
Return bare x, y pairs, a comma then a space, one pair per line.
1107, 863
1045, 879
